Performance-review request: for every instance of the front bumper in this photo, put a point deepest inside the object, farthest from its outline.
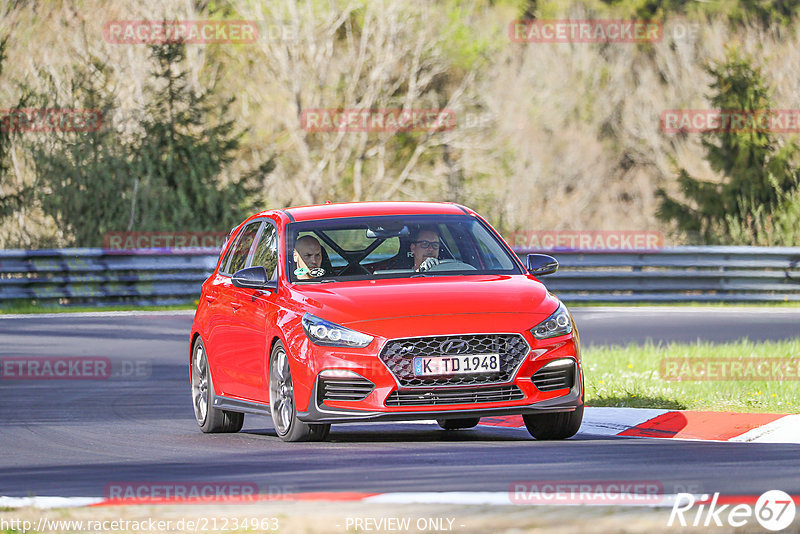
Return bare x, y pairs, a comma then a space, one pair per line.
538, 386
394, 395
326, 414
531, 396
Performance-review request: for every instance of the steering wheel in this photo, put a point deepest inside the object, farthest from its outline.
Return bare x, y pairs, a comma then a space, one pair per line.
450, 265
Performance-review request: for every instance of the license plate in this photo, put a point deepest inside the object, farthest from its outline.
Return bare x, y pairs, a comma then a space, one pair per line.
462, 364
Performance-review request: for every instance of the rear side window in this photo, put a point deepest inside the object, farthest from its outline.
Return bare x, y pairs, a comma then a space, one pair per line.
242, 247
266, 254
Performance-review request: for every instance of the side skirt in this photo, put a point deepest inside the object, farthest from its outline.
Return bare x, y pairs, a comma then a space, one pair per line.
236, 405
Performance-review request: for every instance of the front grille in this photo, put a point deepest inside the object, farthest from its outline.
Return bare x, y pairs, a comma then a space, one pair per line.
552, 378
343, 389
437, 397
398, 355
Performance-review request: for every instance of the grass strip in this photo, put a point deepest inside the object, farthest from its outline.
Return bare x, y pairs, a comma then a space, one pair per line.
698, 376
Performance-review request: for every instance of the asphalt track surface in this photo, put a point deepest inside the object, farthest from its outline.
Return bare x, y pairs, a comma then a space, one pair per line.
74, 437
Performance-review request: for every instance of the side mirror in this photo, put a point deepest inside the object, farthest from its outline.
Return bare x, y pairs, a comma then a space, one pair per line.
253, 278
542, 264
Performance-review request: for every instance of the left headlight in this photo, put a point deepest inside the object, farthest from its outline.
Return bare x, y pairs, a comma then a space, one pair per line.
558, 324
330, 334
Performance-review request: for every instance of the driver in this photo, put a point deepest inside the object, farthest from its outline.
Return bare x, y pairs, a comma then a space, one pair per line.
307, 256
425, 248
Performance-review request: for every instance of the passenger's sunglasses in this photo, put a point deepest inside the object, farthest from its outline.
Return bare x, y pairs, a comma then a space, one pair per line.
427, 244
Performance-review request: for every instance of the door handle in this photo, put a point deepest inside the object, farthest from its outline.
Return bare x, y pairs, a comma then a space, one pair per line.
236, 305
211, 298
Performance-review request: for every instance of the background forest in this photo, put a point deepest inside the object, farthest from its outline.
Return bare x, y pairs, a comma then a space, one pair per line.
549, 136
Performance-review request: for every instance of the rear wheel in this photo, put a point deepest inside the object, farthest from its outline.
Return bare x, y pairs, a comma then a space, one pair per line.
209, 418
457, 424
281, 402
560, 425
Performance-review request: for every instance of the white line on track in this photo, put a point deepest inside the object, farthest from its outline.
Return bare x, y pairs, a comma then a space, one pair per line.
783, 430
132, 313
47, 502
491, 498
507, 498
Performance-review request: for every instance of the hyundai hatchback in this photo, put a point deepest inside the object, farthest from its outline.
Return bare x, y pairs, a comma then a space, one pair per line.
381, 311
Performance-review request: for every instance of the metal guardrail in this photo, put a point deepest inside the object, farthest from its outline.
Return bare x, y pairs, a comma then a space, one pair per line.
678, 274
702, 274
99, 277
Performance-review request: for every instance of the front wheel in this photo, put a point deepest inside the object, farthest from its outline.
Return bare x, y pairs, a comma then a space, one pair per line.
560, 425
281, 402
209, 418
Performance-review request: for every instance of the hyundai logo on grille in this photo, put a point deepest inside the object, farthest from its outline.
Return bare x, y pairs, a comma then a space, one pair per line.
454, 346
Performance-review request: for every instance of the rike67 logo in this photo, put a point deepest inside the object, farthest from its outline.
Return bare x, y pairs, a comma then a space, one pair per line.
774, 510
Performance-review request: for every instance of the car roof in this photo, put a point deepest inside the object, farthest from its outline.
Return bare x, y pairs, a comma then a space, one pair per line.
364, 209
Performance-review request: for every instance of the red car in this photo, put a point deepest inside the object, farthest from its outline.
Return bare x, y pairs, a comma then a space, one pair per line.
381, 311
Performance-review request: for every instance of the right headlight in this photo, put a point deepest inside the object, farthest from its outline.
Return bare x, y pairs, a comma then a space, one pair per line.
330, 334
558, 324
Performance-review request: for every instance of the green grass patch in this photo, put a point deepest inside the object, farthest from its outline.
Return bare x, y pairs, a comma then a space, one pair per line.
632, 376
36, 308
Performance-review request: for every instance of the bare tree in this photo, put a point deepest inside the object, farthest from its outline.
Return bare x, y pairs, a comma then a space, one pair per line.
358, 56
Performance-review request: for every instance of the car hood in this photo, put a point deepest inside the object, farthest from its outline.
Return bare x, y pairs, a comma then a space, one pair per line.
360, 303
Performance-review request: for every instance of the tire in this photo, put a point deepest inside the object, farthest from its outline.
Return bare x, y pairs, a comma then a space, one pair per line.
458, 424
210, 419
560, 425
281, 402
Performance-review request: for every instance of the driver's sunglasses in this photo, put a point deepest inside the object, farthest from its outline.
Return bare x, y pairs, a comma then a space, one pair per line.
428, 244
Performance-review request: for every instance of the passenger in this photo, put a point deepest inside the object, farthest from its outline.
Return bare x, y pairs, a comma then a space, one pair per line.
425, 248
307, 255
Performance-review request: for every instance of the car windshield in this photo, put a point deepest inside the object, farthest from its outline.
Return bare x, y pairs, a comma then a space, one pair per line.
394, 247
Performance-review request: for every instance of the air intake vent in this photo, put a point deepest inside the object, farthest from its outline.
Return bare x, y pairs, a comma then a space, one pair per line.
399, 354
437, 397
343, 389
559, 374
